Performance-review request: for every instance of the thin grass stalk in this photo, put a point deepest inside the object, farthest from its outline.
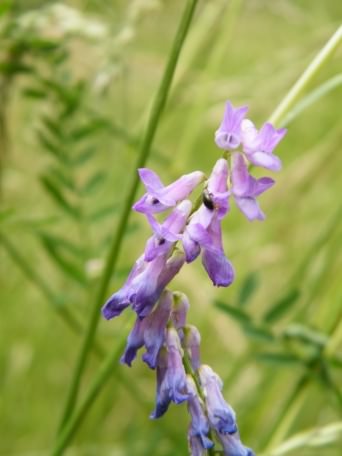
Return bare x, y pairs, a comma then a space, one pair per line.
153, 122
296, 91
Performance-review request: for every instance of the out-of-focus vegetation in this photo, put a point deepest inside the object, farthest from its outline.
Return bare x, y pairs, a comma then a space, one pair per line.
76, 83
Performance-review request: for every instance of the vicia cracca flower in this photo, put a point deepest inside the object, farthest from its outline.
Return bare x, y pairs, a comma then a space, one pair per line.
158, 197
228, 135
172, 347
259, 145
245, 188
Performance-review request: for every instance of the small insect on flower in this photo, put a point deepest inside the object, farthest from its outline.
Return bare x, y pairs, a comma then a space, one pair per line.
207, 200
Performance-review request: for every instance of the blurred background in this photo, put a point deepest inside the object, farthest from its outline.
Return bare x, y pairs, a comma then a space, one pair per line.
76, 83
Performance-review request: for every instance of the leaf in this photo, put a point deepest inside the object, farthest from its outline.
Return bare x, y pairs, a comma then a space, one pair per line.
42, 44
103, 212
83, 157
51, 146
314, 96
32, 92
248, 287
282, 306
258, 333
306, 335
88, 129
11, 68
232, 311
53, 127
93, 183
53, 190
316, 437
278, 358
56, 248
62, 177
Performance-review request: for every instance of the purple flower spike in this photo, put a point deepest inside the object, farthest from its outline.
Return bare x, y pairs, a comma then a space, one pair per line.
199, 426
158, 197
218, 267
168, 232
158, 273
228, 136
154, 334
179, 310
121, 299
191, 343
144, 285
259, 145
150, 332
217, 188
171, 379
195, 445
221, 415
246, 188
232, 445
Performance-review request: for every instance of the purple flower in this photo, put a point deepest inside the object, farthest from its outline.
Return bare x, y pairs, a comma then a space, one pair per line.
171, 377
221, 415
158, 197
218, 267
228, 136
199, 426
150, 332
179, 309
168, 232
232, 445
246, 188
144, 285
191, 343
259, 145
195, 445
204, 228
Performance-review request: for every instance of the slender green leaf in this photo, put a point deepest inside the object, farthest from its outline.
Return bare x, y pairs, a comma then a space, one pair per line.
93, 183
54, 128
54, 191
51, 146
33, 92
83, 157
320, 436
313, 97
232, 311
103, 212
248, 287
89, 129
305, 335
58, 174
278, 358
282, 306
11, 68
70, 268
258, 333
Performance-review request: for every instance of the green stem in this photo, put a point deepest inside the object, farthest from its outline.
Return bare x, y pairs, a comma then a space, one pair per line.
189, 370
155, 115
309, 74
71, 426
289, 410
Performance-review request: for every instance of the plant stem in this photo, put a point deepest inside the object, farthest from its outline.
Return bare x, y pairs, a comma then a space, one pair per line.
154, 118
304, 80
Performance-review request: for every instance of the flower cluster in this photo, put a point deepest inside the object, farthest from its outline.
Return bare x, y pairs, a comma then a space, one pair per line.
190, 230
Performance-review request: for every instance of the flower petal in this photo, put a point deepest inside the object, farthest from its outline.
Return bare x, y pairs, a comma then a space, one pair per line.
150, 180
250, 208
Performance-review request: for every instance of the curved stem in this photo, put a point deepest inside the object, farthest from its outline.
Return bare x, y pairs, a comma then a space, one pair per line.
311, 71
153, 122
